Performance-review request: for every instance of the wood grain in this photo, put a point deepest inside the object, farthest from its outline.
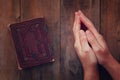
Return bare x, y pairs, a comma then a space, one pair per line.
110, 25
9, 13
59, 16
110, 28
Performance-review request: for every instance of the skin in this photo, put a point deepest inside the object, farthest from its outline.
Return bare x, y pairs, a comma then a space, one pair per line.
97, 53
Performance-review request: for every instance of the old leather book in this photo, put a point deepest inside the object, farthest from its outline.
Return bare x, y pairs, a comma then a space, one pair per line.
32, 43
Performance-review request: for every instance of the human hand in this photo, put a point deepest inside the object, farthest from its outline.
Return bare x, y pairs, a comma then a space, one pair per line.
96, 40
84, 51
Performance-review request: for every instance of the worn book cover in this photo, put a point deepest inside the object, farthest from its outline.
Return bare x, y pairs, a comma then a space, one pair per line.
32, 43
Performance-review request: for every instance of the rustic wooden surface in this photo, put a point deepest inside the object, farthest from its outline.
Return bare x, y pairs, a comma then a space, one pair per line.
59, 16
110, 28
8, 65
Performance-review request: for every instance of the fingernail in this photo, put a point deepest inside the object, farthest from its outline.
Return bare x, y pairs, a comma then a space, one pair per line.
76, 13
81, 32
79, 11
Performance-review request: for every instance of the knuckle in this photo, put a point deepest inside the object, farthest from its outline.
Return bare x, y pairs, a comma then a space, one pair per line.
83, 38
75, 45
73, 30
103, 50
100, 50
91, 39
100, 37
86, 51
97, 50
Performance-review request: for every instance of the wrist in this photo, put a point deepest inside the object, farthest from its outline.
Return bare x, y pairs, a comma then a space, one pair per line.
113, 67
89, 67
110, 62
91, 73
107, 60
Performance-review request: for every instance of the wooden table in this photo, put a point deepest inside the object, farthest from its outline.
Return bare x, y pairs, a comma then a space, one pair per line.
59, 15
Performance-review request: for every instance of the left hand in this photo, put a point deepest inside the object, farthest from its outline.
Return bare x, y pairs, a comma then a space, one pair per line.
84, 51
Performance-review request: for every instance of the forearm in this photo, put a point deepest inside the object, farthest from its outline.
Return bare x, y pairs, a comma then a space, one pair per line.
113, 67
91, 73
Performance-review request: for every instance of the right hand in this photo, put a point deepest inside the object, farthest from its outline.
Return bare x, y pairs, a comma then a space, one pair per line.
96, 40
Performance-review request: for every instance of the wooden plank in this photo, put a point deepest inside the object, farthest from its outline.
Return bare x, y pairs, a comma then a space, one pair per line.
71, 69
9, 13
67, 66
50, 10
110, 27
